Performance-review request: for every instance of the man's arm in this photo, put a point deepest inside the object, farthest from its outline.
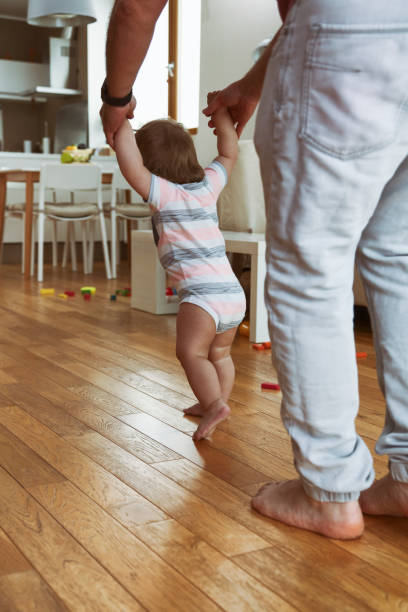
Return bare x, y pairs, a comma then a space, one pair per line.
130, 32
242, 97
130, 160
227, 138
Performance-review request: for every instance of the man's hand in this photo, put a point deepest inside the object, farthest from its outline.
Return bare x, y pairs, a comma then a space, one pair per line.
220, 118
113, 117
238, 99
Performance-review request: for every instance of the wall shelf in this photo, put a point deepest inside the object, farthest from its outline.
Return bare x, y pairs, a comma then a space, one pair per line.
51, 92
22, 98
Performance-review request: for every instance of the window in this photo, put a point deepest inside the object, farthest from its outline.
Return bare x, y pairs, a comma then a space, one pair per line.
188, 62
168, 81
151, 87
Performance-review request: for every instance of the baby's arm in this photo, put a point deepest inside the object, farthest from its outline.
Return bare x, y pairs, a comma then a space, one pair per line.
227, 139
130, 160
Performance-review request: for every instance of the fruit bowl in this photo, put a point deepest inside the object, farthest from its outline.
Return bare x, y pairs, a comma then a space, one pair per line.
73, 154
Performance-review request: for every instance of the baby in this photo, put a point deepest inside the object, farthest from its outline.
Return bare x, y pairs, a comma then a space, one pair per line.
161, 165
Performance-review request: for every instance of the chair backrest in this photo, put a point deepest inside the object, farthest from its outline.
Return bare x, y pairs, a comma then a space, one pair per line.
119, 182
70, 177
241, 205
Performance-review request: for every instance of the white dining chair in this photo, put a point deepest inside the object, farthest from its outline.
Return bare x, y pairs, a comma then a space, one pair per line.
120, 209
15, 209
70, 177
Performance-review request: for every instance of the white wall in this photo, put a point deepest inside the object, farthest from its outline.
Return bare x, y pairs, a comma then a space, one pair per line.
230, 31
96, 69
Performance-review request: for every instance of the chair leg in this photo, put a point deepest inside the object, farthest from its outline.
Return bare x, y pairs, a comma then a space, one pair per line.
91, 245
73, 247
84, 249
22, 243
113, 243
120, 235
66, 245
54, 243
129, 231
40, 264
105, 245
32, 248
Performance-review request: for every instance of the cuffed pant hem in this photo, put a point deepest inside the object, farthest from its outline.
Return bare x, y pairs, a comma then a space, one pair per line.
328, 496
398, 471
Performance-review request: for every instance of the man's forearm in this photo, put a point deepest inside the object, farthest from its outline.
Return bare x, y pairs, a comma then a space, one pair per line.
255, 77
130, 32
227, 141
227, 145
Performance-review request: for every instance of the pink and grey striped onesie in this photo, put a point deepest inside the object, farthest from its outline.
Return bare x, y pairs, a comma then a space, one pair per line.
191, 246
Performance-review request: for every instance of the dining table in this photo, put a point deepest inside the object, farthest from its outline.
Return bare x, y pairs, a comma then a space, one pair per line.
29, 177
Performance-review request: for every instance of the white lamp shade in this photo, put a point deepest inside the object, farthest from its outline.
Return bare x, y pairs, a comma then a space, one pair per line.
60, 13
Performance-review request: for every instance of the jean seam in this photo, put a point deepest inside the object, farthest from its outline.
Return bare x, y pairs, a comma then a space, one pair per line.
306, 86
375, 28
287, 31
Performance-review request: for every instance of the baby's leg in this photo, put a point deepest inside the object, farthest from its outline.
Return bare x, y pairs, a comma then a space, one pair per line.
195, 335
220, 356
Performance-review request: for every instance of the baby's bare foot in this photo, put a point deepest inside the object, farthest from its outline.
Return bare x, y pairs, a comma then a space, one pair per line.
217, 412
287, 502
194, 410
386, 496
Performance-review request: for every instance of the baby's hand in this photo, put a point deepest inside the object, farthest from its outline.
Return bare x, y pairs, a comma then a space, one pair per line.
220, 114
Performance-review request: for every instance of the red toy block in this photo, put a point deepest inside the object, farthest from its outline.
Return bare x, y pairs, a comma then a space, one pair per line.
266, 345
87, 297
361, 355
273, 386
70, 293
258, 347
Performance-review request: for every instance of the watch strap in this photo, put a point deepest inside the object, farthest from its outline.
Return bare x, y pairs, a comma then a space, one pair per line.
114, 101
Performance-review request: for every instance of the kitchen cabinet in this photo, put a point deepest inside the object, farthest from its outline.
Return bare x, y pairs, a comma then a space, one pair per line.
39, 73
16, 77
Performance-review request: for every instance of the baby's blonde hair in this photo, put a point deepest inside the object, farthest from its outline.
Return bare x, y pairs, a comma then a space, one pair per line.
168, 151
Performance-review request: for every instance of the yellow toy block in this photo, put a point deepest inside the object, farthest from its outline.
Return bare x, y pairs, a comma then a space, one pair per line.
90, 290
63, 296
47, 291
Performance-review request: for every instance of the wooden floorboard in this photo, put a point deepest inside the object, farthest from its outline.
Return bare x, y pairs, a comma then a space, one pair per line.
105, 502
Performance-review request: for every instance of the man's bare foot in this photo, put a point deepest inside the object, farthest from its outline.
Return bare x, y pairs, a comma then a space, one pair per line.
217, 412
194, 410
287, 502
385, 496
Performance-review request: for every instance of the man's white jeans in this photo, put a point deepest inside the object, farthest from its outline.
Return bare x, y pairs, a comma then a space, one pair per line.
332, 136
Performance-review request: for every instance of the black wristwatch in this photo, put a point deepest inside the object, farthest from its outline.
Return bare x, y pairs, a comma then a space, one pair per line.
114, 101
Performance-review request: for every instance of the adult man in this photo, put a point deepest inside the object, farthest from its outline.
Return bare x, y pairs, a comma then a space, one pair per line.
332, 137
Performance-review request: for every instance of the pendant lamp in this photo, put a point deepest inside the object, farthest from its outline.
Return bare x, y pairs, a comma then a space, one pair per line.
60, 13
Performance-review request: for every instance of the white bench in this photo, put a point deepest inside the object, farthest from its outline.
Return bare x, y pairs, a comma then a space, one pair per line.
253, 245
148, 279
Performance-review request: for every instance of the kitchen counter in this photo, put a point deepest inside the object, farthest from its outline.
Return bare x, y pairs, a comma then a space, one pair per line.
16, 159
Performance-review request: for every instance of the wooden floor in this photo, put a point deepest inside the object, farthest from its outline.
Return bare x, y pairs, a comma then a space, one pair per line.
106, 503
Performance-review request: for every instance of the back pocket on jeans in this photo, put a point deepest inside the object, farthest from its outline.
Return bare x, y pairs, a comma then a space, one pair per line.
355, 84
